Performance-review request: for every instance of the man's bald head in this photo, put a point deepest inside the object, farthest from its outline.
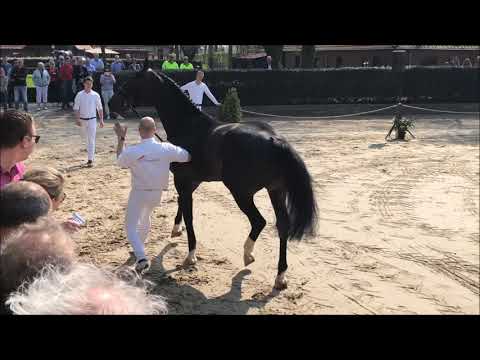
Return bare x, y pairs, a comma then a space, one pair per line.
22, 202
147, 127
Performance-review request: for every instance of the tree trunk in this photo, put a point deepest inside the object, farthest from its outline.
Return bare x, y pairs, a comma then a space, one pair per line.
210, 57
276, 52
177, 52
230, 56
308, 53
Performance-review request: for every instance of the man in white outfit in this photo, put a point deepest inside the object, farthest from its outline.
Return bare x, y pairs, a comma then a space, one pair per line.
87, 103
197, 88
149, 163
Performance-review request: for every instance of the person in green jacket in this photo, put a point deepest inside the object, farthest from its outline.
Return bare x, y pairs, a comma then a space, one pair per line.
186, 65
170, 64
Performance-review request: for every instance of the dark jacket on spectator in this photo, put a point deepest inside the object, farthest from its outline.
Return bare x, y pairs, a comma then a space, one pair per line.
18, 76
80, 72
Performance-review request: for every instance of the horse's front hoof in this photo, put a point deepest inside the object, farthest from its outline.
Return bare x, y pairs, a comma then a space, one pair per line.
248, 259
281, 282
190, 260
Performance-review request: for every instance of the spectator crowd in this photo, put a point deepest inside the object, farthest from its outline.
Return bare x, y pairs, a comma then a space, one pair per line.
61, 78
40, 273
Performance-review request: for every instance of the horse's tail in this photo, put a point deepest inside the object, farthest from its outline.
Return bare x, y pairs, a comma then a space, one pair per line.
301, 203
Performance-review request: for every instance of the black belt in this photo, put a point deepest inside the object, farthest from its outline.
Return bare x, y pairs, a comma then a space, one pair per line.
88, 118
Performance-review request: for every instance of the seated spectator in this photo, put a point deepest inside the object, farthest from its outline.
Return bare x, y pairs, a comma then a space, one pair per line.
135, 66
84, 290
30, 247
128, 61
52, 181
22, 202
186, 64
467, 63
17, 141
170, 64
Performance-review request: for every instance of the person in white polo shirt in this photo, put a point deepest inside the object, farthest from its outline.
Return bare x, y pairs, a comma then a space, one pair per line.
149, 163
87, 103
197, 88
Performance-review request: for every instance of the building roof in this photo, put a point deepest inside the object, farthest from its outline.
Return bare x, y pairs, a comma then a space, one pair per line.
251, 56
440, 47
132, 48
12, 47
298, 48
94, 50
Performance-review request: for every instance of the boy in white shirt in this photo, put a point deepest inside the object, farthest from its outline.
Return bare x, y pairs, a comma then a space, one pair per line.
87, 103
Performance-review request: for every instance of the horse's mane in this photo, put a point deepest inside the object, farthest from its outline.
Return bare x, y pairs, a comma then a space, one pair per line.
184, 99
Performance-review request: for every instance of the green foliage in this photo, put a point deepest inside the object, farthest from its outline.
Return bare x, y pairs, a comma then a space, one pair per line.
230, 110
403, 123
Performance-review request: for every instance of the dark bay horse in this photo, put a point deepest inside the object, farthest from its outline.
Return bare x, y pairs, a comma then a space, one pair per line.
246, 157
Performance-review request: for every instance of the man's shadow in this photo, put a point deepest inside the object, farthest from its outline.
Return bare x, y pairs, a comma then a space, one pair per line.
185, 299
74, 168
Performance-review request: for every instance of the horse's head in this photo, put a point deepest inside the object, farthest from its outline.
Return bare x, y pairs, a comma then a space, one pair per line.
142, 87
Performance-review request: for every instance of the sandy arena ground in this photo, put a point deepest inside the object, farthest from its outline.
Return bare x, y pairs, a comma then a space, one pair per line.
398, 227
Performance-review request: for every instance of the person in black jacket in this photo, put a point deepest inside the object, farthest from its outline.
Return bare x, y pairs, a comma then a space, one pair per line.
18, 78
80, 72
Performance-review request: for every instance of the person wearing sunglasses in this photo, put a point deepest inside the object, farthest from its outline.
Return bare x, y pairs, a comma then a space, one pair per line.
53, 182
18, 137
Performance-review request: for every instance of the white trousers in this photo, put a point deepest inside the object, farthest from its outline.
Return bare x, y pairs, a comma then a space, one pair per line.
89, 131
42, 94
141, 203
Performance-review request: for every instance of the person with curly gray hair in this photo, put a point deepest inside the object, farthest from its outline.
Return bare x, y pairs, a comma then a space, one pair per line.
29, 248
85, 290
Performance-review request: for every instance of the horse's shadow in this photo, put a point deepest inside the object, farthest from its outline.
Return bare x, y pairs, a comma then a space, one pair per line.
183, 298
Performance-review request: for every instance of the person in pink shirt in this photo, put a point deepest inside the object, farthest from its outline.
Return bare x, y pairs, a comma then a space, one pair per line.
18, 137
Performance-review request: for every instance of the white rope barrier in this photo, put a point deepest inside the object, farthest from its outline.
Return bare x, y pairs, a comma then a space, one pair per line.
321, 117
360, 113
440, 111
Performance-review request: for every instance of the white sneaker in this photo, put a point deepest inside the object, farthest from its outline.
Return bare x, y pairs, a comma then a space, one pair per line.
45, 107
142, 265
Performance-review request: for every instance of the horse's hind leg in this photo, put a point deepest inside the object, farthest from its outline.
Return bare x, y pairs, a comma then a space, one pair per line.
278, 198
257, 222
177, 230
184, 189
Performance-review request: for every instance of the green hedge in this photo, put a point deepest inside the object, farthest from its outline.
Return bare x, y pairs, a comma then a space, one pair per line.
343, 85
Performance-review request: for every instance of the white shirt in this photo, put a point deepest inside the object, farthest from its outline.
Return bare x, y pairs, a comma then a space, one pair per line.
88, 104
196, 92
149, 163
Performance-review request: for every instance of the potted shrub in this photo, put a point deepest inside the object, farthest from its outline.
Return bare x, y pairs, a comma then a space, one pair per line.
230, 110
401, 126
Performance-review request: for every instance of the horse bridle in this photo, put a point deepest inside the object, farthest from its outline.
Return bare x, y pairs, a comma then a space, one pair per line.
132, 107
